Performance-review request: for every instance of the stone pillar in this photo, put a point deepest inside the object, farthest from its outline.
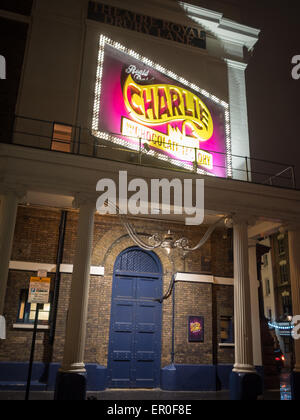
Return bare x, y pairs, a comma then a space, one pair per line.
71, 379
239, 119
245, 383
255, 315
294, 260
8, 215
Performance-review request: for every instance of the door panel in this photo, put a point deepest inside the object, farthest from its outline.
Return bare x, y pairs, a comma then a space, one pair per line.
135, 334
121, 343
124, 287
147, 288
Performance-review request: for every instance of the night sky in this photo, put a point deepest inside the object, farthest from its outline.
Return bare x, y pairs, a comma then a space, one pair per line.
273, 95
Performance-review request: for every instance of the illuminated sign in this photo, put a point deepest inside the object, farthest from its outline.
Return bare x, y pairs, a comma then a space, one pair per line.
143, 106
159, 104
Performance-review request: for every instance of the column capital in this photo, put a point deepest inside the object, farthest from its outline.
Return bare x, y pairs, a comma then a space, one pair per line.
84, 199
236, 219
239, 65
19, 191
252, 243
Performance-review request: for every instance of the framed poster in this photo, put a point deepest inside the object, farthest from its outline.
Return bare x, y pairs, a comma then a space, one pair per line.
196, 329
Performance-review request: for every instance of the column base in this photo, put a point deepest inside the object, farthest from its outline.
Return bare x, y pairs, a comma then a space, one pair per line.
295, 385
70, 386
245, 386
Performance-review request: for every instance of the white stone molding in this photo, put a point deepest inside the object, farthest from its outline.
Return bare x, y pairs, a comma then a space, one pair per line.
51, 268
238, 65
223, 28
202, 278
30, 327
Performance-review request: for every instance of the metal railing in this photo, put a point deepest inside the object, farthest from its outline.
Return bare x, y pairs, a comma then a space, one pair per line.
40, 134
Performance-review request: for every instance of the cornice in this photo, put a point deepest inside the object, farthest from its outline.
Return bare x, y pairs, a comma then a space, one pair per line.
239, 65
223, 28
214, 22
202, 13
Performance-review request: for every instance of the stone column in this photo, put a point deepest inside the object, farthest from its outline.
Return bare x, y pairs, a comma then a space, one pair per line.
8, 215
255, 315
71, 379
245, 383
294, 260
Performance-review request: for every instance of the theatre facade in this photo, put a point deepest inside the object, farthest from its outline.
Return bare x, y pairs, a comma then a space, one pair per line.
125, 95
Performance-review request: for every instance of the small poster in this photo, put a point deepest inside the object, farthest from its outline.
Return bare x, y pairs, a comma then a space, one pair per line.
39, 290
196, 329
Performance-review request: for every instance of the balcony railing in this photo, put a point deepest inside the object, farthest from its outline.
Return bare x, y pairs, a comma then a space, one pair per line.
40, 134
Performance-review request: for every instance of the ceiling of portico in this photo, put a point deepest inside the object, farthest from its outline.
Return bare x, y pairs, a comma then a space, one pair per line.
49, 200
260, 227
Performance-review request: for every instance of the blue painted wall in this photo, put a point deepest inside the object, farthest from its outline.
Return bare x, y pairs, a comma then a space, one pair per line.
173, 378
195, 377
14, 376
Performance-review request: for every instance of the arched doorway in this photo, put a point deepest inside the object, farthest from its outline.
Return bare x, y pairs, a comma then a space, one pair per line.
136, 317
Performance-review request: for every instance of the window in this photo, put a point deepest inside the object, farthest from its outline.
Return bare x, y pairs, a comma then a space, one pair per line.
227, 335
281, 244
61, 138
265, 260
284, 276
286, 302
27, 311
268, 289
270, 314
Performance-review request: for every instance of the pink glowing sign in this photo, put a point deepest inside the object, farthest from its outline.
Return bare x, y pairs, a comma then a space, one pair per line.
142, 106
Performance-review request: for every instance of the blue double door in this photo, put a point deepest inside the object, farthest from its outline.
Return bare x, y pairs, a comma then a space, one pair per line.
135, 330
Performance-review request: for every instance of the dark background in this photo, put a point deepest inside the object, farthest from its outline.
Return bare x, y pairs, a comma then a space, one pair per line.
273, 96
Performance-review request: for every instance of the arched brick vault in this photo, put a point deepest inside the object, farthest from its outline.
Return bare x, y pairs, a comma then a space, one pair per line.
105, 252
